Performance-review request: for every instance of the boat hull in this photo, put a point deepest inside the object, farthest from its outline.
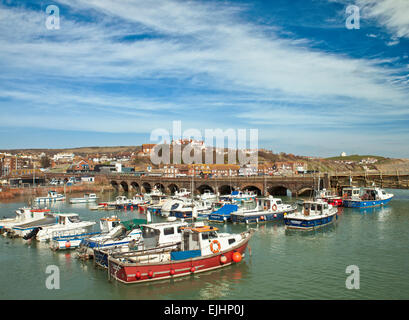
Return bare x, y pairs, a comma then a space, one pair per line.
310, 224
259, 218
364, 203
139, 273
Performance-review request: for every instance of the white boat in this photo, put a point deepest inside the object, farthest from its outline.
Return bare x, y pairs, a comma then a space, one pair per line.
91, 197
63, 240
155, 235
67, 222
208, 196
52, 196
314, 214
366, 197
26, 216
182, 193
120, 234
266, 209
173, 204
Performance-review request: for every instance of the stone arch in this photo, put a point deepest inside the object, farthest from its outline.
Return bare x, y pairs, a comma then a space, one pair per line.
135, 187
124, 186
160, 186
115, 185
146, 187
225, 189
255, 189
172, 188
277, 190
201, 189
305, 192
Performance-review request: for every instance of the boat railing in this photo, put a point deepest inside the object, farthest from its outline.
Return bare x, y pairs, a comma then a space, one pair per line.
137, 253
69, 234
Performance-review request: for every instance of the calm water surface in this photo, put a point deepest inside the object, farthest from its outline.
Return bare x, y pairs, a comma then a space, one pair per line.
282, 264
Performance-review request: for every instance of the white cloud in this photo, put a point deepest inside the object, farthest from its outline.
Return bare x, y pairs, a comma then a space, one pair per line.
393, 14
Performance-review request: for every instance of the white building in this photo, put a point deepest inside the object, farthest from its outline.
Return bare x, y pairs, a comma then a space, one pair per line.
64, 157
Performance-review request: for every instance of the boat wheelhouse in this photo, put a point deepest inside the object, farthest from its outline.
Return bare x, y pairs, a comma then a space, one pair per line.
314, 214
202, 249
330, 197
163, 236
51, 197
366, 197
267, 209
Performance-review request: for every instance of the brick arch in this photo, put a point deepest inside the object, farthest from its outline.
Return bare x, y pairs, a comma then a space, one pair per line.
225, 189
135, 187
203, 187
172, 188
277, 190
146, 187
253, 187
115, 185
124, 186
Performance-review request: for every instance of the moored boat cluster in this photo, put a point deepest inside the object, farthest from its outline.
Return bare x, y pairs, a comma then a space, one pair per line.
139, 251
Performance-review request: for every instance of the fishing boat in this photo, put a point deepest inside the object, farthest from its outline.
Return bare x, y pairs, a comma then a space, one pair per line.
202, 249
91, 197
314, 214
68, 239
267, 209
354, 197
155, 235
51, 197
66, 222
222, 211
25, 217
120, 233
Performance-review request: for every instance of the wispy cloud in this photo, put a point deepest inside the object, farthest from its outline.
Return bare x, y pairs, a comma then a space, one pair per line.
150, 62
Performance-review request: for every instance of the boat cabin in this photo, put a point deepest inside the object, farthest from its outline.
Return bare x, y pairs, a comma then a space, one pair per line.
157, 234
107, 224
373, 194
67, 218
203, 240
351, 192
90, 196
269, 204
315, 208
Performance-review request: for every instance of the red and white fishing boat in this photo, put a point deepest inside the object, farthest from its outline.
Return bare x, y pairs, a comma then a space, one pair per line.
202, 249
329, 197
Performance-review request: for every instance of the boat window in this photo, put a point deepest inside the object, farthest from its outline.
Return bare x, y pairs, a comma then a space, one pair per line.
313, 207
74, 219
212, 235
319, 207
205, 236
232, 240
325, 206
180, 229
383, 192
279, 202
114, 224
149, 233
168, 231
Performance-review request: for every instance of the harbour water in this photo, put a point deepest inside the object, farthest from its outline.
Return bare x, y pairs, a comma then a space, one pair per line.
282, 265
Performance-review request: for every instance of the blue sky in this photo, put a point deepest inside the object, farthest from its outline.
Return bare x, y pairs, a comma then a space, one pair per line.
116, 70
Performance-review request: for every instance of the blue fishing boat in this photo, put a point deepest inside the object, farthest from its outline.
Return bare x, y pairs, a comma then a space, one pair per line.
223, 214
354, 197
314, 214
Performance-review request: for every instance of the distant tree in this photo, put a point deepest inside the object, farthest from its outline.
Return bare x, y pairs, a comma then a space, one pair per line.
45, 162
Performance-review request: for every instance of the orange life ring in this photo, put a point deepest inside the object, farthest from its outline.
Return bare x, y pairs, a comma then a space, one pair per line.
218, 246
274, 207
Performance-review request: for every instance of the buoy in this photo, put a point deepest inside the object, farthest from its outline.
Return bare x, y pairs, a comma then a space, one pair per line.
223, 259
150, 274
138, 275
68, 244
172, 272
275, 215
236, 256
192, 269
